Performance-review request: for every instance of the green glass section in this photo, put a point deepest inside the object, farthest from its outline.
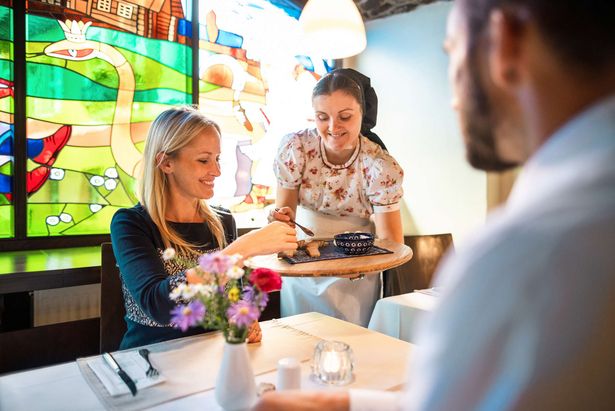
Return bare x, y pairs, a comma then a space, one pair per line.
6, 169
7, 217
127, 79
6, 104
6, 23
102, 72
85, 113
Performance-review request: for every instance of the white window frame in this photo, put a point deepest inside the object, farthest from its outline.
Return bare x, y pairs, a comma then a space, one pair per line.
125, 10
104, 5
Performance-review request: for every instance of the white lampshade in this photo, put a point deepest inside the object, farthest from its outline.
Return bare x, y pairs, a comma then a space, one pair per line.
332, 29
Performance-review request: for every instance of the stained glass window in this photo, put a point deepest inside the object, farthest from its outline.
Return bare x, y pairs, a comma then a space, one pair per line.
98, 72
95, 82
6, 122
256, 84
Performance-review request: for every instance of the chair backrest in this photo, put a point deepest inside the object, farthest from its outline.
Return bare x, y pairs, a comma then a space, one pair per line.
417, 273
112, 311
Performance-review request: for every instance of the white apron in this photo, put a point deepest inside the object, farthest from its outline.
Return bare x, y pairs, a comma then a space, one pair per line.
341, 298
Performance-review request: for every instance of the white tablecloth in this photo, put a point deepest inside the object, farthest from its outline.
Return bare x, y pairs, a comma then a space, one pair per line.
397, 316
63, 387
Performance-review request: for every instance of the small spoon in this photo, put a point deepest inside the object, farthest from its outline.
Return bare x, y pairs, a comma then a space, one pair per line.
306, 230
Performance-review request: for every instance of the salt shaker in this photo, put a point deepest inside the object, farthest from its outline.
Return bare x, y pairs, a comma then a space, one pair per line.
289, 374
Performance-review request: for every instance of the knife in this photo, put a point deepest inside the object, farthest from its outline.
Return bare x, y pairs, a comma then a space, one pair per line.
119, 371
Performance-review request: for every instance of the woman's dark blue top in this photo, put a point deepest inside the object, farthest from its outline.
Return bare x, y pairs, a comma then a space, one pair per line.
147, 279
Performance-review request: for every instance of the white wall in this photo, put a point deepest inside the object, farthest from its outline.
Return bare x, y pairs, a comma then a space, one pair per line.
408, 68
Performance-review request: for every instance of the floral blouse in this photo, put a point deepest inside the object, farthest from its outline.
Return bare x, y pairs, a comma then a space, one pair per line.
370, 181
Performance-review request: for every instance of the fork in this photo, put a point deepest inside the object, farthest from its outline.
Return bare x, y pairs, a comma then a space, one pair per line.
151, 371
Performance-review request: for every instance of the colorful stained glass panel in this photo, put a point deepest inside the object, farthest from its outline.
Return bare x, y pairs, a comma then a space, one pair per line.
95, 81
6, 123
256, 83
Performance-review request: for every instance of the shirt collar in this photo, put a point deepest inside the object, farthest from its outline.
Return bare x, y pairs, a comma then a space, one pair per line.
561, 158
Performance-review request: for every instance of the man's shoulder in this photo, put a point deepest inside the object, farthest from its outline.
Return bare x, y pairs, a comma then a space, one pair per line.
522, 249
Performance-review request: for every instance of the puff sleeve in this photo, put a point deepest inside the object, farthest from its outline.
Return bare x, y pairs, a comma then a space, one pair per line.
384, 183
290, 161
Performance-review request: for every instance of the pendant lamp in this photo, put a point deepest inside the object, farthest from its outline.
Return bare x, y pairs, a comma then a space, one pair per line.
332, 29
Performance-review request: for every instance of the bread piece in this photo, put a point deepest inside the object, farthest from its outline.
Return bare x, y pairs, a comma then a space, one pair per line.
291, 253
312, 248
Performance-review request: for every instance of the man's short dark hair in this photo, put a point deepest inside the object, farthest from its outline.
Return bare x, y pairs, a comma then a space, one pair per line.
581, 32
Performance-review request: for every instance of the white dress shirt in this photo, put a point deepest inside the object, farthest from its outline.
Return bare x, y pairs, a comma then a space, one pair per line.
527, 315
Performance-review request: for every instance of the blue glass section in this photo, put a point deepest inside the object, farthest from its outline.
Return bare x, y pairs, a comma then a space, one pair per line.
288, 6
306, 62
184, 28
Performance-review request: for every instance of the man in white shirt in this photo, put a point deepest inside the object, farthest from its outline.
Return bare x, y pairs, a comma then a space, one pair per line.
527, 315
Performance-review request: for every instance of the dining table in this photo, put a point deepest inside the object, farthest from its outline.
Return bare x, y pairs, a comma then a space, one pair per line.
397, 316
348, 266
189, 365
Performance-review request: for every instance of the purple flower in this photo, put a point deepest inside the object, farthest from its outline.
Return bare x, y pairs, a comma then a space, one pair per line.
215, 263
262, 303
185, 316
242, 313
251, 295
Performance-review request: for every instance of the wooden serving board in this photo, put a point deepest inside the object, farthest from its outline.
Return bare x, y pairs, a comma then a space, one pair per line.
346, 267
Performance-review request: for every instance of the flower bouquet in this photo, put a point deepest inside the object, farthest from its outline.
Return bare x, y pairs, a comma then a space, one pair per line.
220, 295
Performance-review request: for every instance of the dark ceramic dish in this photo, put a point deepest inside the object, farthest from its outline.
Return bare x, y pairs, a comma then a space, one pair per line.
354, 243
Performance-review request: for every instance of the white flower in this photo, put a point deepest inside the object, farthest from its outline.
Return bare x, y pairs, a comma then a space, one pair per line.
111, 172
235, 272
97, 181
177, 291
52, 220
189, 291
184, 291
204, 290
110, 184
168, 254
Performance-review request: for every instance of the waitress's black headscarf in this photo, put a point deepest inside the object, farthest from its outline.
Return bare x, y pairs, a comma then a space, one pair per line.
357, 85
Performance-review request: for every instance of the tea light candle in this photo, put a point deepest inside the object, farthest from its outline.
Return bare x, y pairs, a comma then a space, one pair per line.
331, 362
289, 374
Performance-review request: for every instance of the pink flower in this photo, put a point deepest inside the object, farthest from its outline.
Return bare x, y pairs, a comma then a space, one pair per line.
266, 280
216, 263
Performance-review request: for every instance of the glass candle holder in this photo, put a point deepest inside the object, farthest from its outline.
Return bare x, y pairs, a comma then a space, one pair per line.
332, 363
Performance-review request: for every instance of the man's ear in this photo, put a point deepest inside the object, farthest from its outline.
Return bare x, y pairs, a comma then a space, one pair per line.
164, 163
506, 34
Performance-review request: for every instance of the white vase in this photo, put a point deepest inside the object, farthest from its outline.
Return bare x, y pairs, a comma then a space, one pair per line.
235, 386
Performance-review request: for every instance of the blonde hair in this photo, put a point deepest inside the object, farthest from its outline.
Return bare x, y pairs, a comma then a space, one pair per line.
172, 130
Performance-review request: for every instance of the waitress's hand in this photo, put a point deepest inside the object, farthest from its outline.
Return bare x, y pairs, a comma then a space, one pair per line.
283, 214
254, 333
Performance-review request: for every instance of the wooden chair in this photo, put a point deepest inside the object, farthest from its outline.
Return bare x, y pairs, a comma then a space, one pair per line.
417, 273
112, 324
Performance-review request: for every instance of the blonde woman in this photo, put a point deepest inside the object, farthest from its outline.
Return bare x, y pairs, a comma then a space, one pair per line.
180, 165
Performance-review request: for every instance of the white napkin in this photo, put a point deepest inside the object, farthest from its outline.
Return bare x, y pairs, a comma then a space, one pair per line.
131, 362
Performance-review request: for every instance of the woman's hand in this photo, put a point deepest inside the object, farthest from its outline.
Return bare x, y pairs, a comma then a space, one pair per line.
273, 238
283, 214
254, 333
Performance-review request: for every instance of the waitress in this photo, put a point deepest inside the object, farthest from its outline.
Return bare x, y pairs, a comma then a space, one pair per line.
334, 178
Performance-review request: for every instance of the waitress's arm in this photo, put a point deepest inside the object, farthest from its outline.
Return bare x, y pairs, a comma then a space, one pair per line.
287, 197
388, 226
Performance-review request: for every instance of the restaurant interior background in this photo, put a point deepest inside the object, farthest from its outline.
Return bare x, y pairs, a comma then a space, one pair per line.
252, 81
